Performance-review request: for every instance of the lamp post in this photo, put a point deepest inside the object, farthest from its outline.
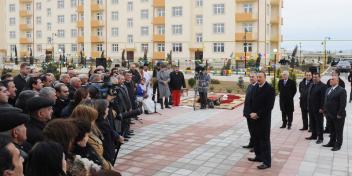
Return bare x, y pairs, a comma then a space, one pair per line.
245, 51
325, 54
275, 52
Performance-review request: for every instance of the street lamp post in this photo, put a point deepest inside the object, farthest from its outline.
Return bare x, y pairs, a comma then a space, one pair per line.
275, 52
325, 54
245, 51
300, 52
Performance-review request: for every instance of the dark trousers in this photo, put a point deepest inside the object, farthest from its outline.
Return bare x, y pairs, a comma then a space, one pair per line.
328, 124
304, 118
336, 137
262, 146
287, 118
203, 99
351, 95
317, 126
251, 131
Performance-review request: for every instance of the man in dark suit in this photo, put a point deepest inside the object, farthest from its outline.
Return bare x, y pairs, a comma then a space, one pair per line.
262, 105
287, 89
20, 79
303, 90
335, 111
316, 93
341, 83
247, 107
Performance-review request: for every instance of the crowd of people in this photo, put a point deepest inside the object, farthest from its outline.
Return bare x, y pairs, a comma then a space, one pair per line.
76, 125
316, 101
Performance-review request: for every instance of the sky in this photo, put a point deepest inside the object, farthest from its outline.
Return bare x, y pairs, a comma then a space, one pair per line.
315, 20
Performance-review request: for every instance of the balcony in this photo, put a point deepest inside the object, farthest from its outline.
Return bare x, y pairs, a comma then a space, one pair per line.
96, 54
245, 17
97, 23
24, 40
97, 39
160, 20
275, 2
25, 27
80, 39
240, 36
275, 20
26, 1
159, 3
96, 7
80, 8
241, 1
80, 23
25, 13
159, 38
159, 55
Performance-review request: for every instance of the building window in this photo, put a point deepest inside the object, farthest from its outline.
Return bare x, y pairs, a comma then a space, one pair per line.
130, 6
247, 47
38, 6
144, 14
100, 47
248, 27
12, 8
12, 48
100, 32
29, 48
115, 47
218, 47
177, 47
177, 29
219, 9
12, 21
130, 22
81, 46
39, 20
144, 47
28, 7
100, 16
73, 47
48, 12
130, 39
61, 33
114, 1
74, 4
114, 16
73, 18
115, 32
60, 4
60, 19
39, 34
161, 30
199, 38
48, 26
12, 34
248, 8
199, 19
176, 11
81, 16
39, 48
81, 32
218, 28
161, 47
100, 2
73, 33
199, 3
160, 12
28, 20
29, 35
144, 31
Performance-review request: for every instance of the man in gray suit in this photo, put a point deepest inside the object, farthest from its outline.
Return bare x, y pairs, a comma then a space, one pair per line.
335, 110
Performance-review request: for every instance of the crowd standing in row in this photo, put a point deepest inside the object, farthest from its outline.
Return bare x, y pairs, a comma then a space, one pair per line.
76, 125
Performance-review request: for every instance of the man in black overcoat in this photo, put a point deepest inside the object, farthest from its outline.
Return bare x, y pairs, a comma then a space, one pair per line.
303, 90
287, 88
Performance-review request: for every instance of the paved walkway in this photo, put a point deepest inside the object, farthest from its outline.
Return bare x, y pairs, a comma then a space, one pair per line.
181, 141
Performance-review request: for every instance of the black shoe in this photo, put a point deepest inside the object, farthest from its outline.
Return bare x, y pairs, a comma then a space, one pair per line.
254, 159
131, 134
127, 137
328, 145
326, 131
311, 138
252, 150
309, 130
247, 146
131, 131
132, 123
283, 126
335, 148
263, 166
146, 112
319, 141
126, 140
303, 129
168, 107
289, 127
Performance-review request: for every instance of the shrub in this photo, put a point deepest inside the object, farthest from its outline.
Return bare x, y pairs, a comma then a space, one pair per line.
191, 82
211, 88
214, 81
229, 90
240, 82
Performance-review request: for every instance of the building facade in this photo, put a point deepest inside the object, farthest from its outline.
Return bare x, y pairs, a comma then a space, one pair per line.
208, 29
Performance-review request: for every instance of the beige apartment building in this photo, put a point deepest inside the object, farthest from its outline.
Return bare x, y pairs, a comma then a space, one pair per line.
208, 29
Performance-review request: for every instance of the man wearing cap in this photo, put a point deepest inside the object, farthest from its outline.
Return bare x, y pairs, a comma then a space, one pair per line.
12, 124
40, 110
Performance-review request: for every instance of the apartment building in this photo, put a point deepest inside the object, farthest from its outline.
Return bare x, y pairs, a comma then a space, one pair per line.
189, 29
3, 35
